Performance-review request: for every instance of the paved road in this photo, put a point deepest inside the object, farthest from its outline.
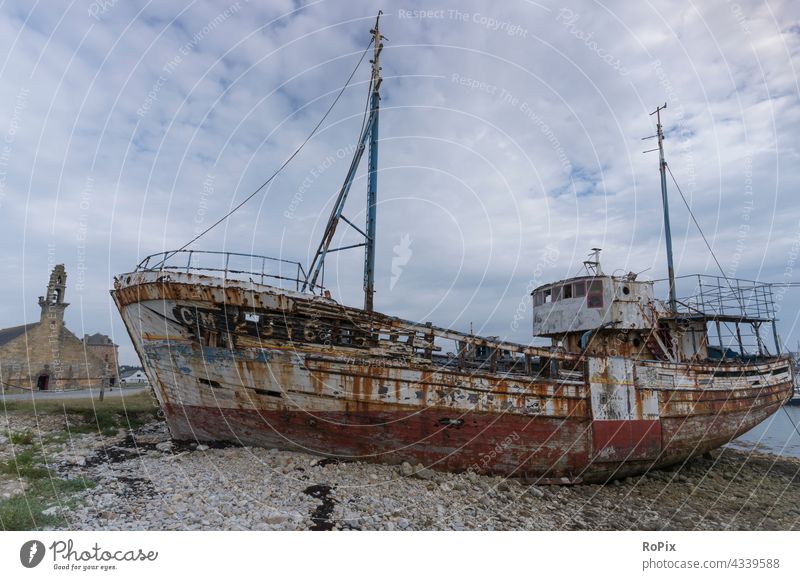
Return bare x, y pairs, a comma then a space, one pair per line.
15, 395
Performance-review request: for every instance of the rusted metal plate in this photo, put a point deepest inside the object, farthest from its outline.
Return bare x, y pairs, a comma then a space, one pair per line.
620, 441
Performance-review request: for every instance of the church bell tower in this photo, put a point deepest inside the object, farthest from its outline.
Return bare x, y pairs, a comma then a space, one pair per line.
52, 304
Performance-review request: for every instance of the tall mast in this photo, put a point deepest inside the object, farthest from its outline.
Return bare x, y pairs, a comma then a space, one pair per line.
369, 136
372, 182
662, 167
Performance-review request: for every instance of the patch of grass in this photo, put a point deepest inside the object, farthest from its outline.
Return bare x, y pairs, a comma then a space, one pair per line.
55, 437
24, 464
92, 415
109, 421
21, 438
140, 402
25, 512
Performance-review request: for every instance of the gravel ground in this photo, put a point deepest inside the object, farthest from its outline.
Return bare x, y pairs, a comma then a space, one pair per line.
143, 481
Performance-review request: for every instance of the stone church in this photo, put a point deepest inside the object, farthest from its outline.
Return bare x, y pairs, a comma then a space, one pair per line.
45, 355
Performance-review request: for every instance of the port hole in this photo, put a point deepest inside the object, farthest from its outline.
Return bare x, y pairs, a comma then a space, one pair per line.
626, 290
209, 382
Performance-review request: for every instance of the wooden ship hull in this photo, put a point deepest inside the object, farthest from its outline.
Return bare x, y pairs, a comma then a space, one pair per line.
259, 365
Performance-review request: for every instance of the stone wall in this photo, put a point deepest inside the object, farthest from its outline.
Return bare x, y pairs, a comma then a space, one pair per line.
52, 351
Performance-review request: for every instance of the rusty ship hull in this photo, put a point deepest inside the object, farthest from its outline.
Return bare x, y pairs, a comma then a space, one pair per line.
260, 365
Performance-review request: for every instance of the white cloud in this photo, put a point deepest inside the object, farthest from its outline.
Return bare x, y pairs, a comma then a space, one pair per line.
482, 177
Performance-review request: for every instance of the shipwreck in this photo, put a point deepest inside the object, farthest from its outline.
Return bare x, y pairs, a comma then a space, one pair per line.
253, 349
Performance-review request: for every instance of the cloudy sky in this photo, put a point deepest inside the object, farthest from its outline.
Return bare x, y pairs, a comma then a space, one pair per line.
510, 144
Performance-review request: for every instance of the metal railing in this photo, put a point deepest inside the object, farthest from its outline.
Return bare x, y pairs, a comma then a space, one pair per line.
716, 296
232, 266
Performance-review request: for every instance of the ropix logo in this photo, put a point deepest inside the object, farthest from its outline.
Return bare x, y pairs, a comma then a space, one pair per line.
31, 553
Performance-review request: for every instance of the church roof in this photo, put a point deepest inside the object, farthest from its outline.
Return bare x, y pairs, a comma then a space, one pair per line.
9, 334
97, 339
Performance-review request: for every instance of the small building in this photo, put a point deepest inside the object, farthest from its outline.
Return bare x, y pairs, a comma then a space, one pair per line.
46, 355
134, 377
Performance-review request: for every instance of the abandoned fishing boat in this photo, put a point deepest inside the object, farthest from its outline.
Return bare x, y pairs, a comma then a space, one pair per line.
253, 349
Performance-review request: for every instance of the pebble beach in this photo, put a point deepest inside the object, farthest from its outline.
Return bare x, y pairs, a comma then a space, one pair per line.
138, 479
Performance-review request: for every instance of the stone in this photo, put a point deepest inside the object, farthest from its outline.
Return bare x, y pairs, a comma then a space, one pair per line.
535, 492
275, 518
164, 446
406, 469
202, 447
421, 472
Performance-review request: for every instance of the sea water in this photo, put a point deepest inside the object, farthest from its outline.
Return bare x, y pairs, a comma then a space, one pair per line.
777, 434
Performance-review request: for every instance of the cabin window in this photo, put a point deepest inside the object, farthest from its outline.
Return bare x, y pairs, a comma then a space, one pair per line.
556, 293
567, 291
538, 298
595, 294
547, 295
579, 289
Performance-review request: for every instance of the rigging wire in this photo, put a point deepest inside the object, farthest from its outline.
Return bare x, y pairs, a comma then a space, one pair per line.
285, 163
694, 219
675, 181
703, 235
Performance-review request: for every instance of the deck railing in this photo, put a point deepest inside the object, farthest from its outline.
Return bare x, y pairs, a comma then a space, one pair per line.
716, 296
230, 266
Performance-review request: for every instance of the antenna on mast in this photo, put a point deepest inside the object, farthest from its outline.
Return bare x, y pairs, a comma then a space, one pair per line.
662, 167
593, 265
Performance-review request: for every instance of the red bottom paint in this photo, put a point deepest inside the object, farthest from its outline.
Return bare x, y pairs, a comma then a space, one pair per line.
626, 440
536, 449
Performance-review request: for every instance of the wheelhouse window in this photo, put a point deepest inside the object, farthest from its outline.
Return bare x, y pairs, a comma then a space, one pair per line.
595, 294
579, 289
566, 291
